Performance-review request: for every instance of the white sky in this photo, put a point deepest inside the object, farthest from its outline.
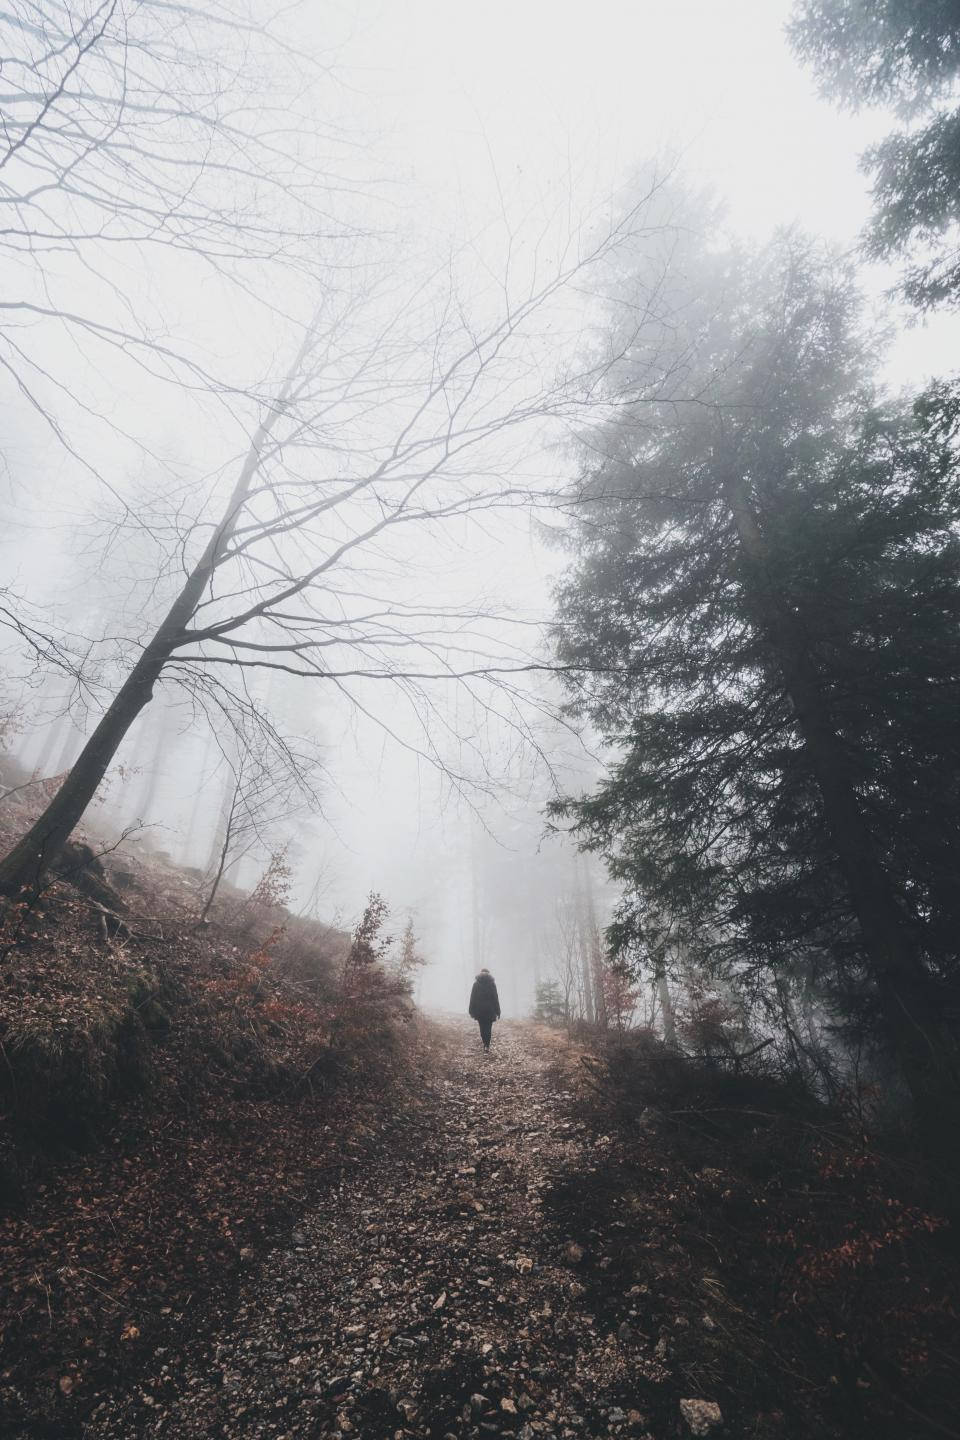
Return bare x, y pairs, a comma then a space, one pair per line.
541, 99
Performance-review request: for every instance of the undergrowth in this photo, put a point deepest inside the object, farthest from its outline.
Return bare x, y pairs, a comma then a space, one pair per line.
798, 1272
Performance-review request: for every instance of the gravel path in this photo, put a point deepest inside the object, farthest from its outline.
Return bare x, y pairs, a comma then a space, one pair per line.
425, 1297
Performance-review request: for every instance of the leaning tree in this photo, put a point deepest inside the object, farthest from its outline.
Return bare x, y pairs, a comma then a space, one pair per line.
397, 417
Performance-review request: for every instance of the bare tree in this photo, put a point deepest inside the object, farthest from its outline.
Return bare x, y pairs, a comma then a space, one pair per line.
140, 135
141, 131
150, 151
568, 962
257, 799
388, 420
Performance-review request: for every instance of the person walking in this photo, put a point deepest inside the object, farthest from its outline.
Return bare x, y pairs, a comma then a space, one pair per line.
485, 1005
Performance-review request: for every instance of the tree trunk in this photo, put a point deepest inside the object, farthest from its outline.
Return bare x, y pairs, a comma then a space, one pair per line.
165, 723
52, 739
224, 816
224, 852
536, 953
199, 803
24, 867
585, 944
72, 744
596, 949
26, 864
666, 1005
476, 919
920, 1043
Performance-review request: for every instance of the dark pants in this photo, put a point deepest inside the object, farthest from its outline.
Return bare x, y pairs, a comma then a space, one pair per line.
486, 1025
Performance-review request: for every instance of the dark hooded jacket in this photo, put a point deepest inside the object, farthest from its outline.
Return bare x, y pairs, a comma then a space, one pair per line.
484, 1000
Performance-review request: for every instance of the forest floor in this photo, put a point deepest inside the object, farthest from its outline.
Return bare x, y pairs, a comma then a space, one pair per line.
438, 1291
495, 1263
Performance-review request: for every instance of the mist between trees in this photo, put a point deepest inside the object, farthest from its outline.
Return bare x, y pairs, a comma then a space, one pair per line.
281, 497
282, 529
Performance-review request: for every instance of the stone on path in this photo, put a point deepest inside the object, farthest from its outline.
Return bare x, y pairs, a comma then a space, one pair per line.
701, 1416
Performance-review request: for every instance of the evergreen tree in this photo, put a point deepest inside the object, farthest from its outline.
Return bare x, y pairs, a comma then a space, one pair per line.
550, 1008
763, 613
904, 53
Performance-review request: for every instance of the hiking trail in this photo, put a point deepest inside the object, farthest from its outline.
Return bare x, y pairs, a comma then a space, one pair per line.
424, 1296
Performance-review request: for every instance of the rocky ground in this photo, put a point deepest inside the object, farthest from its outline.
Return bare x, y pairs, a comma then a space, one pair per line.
436, 1292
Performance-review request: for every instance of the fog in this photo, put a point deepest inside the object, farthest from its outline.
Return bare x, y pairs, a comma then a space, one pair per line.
427, 187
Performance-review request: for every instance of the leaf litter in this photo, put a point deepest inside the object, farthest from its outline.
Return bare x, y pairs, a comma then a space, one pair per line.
424, 1296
